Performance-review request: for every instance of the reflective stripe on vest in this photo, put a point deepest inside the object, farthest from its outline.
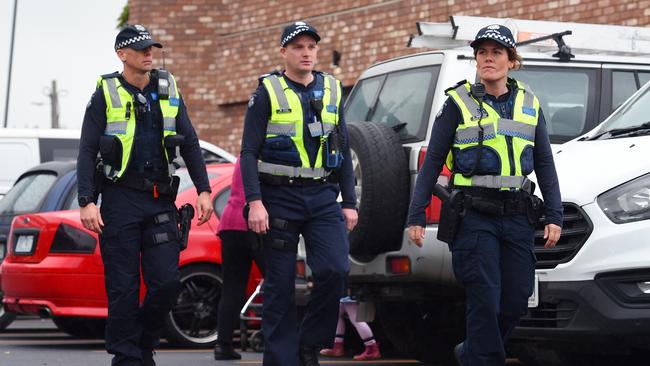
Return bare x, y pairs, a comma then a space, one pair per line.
287, 119
291, 171
121, 123
521, 129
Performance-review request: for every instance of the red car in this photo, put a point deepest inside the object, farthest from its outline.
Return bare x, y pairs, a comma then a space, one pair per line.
54, 268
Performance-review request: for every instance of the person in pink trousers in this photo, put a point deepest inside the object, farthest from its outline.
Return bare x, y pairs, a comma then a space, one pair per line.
349, 306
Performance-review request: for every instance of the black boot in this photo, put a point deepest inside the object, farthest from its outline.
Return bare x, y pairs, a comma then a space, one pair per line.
224, 351
308, 356
147, 358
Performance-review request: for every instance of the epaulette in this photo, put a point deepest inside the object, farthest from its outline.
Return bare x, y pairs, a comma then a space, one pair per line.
456, 86
264, 76
111, 75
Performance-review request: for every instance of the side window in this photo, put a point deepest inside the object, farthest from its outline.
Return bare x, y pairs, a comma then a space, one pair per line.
404, 102
71, 202
58, 149
220, 202
644, 77
566, 96
28, 194
623, 85
358, 107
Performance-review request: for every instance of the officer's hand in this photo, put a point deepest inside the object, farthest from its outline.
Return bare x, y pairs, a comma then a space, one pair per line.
258, 218
416, 234
351, 218
552, 235
204, 207
91, 219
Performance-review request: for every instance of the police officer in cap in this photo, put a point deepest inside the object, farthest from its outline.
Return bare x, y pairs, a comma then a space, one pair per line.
295, 159
137, 120
491, 136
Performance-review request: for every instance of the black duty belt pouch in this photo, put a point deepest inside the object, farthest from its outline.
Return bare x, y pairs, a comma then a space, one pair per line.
451, 214
534, 209
110, 149
185, 214
279, 243
173, 186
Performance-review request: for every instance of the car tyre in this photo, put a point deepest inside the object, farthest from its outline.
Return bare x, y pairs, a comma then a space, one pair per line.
192, 322
6, 317
382, 186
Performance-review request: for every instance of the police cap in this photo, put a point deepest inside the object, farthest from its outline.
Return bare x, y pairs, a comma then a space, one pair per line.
136, 37
496, 32
295, 29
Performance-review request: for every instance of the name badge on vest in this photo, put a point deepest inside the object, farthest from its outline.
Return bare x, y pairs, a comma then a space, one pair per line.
315, 129
529, 111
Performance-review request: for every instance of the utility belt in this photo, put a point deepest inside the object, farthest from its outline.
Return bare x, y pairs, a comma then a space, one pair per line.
456, 203
507, 207
281, 180
167, 186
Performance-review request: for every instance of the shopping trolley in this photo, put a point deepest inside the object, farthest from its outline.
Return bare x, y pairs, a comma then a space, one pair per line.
251, 313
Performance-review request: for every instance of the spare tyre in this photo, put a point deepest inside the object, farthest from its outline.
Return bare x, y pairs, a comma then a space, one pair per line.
382, 185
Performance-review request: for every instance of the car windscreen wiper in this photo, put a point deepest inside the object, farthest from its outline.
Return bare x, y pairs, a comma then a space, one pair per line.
624, 131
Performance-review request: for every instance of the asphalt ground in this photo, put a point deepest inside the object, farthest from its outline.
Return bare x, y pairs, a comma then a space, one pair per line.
37, 342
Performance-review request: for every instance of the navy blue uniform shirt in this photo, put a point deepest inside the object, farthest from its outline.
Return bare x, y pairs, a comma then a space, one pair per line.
255, 122
442, 139
94, 125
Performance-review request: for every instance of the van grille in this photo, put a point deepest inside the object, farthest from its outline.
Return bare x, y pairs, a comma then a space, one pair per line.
549, 315
576, 228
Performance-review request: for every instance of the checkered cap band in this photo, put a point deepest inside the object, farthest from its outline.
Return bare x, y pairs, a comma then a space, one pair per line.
132, 40
499, 37
293, 30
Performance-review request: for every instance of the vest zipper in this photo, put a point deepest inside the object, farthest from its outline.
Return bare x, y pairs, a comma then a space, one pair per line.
511, 155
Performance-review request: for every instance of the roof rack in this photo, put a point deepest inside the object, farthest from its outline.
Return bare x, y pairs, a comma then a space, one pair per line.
538, 35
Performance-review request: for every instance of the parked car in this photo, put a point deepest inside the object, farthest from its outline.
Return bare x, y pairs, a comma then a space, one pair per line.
45, 187
390, 113
594, 288
53, 268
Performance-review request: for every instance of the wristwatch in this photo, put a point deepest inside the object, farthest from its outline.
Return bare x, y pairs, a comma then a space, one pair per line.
84, 201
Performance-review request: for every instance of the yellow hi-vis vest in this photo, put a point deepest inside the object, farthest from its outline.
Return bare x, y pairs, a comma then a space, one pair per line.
509, 138
287, 120
120, 118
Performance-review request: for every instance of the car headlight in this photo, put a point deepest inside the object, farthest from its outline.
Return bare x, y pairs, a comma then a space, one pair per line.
628, 202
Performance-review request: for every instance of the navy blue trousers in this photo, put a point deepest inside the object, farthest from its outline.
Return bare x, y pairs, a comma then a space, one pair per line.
494, 259
127, 244
314, 213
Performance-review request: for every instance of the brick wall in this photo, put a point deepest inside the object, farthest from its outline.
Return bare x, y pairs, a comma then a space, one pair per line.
218, 48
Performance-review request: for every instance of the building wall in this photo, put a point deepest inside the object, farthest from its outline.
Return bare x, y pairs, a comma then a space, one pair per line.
218, 48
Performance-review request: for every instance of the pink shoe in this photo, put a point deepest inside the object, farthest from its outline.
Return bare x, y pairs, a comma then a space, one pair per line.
370, 353
337, 351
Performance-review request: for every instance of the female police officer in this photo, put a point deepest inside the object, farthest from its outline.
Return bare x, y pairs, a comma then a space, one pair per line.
491, 136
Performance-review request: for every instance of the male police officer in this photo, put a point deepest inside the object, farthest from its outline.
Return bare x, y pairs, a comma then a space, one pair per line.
294, 125
136, 119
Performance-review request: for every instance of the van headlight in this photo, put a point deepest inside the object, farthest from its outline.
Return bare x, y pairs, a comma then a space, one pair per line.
628, 202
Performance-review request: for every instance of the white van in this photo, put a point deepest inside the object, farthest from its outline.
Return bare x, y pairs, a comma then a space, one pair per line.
22, 148
599, 296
